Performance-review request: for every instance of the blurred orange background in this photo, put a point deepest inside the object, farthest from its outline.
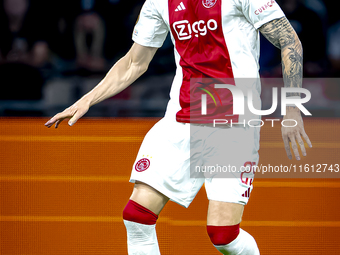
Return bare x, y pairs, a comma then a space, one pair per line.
63, 191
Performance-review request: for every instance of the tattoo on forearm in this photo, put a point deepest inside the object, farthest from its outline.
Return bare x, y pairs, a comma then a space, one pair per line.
282, 35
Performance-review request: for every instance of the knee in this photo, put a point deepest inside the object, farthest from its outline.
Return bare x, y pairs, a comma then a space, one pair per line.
137, 213
222, 235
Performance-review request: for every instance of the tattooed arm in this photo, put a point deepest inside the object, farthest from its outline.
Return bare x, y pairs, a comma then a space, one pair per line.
282, 35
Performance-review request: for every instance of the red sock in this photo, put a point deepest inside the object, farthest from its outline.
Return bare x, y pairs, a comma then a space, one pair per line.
138, 213
222, 235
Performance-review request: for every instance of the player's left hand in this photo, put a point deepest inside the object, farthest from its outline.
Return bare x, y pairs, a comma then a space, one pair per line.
295, 134
74, 113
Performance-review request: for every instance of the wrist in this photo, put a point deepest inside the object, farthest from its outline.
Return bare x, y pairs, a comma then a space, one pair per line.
87, 100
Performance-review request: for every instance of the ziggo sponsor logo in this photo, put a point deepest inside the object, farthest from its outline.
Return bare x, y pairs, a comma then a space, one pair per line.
185, 30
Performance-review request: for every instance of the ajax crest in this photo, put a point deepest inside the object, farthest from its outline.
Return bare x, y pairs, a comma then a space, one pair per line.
209, 3
142, 165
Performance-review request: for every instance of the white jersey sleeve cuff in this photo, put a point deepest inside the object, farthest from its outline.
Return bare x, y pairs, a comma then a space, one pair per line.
147, 43
258, 24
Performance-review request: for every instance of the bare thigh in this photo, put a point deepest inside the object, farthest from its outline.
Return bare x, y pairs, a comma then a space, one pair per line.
148, 197
224, 214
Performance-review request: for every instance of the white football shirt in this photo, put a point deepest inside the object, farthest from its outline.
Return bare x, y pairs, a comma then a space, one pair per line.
215, 42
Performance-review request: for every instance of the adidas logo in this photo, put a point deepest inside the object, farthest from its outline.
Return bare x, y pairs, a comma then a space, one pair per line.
180, 7
247, 193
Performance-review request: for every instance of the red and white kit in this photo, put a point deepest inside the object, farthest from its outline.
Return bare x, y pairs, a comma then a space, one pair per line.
212, 39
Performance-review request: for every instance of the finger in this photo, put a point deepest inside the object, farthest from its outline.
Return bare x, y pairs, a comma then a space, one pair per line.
305, 136
301, 144
294, 146
58, 122
58, 117
75, 118
287, 147
72, 121
50, 122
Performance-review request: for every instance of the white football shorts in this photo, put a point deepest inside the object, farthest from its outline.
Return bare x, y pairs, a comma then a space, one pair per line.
178, 158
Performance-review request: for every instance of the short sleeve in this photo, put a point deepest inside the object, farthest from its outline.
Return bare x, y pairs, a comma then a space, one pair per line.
259, 12
150, 29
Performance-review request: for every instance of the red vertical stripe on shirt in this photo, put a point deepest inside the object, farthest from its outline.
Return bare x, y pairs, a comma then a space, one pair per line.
200, 42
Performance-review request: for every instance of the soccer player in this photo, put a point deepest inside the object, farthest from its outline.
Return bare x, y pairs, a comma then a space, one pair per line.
217, 39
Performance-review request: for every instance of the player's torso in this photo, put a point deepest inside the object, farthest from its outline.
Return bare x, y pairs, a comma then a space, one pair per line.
210, 34
212, 39
196, 28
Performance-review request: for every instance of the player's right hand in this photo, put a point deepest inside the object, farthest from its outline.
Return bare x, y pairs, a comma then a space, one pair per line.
74, 113
293, 134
